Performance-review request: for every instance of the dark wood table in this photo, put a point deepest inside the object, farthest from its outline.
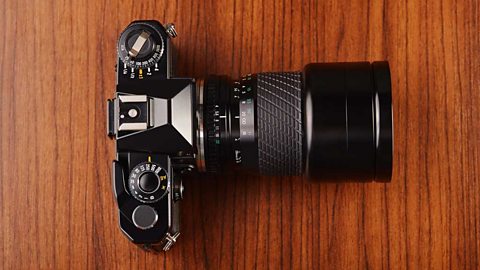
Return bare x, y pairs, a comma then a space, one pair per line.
57, 69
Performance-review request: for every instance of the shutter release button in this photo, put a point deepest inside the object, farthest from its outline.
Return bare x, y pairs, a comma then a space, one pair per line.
144, 217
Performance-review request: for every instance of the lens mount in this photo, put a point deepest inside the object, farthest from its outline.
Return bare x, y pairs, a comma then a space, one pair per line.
200, 135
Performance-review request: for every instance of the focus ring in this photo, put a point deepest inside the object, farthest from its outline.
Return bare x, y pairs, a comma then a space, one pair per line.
279, 123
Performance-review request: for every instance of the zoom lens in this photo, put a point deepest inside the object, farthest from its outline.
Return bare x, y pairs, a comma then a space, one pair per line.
332, 121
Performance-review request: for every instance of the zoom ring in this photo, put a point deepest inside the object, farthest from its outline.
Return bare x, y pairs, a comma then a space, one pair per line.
279, 121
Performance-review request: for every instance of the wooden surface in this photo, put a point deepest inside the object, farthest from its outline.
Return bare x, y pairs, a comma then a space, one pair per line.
57, 69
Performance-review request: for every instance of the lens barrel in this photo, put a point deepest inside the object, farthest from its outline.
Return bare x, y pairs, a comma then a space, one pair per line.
348, 121
333, 121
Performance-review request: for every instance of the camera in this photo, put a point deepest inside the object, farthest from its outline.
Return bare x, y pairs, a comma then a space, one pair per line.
330, 121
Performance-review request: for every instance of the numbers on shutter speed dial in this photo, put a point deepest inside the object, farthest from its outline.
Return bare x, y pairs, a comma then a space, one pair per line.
148, 182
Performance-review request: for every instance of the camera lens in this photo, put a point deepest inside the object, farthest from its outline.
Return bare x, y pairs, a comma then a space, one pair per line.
332, 121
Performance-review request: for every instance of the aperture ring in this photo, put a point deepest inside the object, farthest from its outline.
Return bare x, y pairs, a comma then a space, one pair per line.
212, 123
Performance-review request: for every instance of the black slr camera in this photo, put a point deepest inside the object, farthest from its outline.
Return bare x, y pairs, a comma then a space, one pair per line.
331, 121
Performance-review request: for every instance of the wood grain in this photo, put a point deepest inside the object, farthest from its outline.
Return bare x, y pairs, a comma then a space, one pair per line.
57, 69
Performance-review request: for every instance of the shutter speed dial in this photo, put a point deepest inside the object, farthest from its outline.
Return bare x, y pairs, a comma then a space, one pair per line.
148, 182
140, 46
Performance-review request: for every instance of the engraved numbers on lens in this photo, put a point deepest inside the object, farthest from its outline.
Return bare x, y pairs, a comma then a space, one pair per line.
247, 118
148, 182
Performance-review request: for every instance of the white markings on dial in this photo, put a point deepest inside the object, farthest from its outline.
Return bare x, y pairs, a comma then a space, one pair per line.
134, 182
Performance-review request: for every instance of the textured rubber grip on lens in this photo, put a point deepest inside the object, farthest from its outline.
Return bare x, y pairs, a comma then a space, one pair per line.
279, 121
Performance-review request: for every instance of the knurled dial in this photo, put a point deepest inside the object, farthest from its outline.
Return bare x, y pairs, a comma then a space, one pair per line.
148, 182
140, 45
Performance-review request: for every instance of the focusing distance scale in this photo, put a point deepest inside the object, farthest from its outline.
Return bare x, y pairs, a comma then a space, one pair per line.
329, 121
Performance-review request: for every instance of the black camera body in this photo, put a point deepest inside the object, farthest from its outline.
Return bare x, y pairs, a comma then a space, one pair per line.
330, 121
151, 118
